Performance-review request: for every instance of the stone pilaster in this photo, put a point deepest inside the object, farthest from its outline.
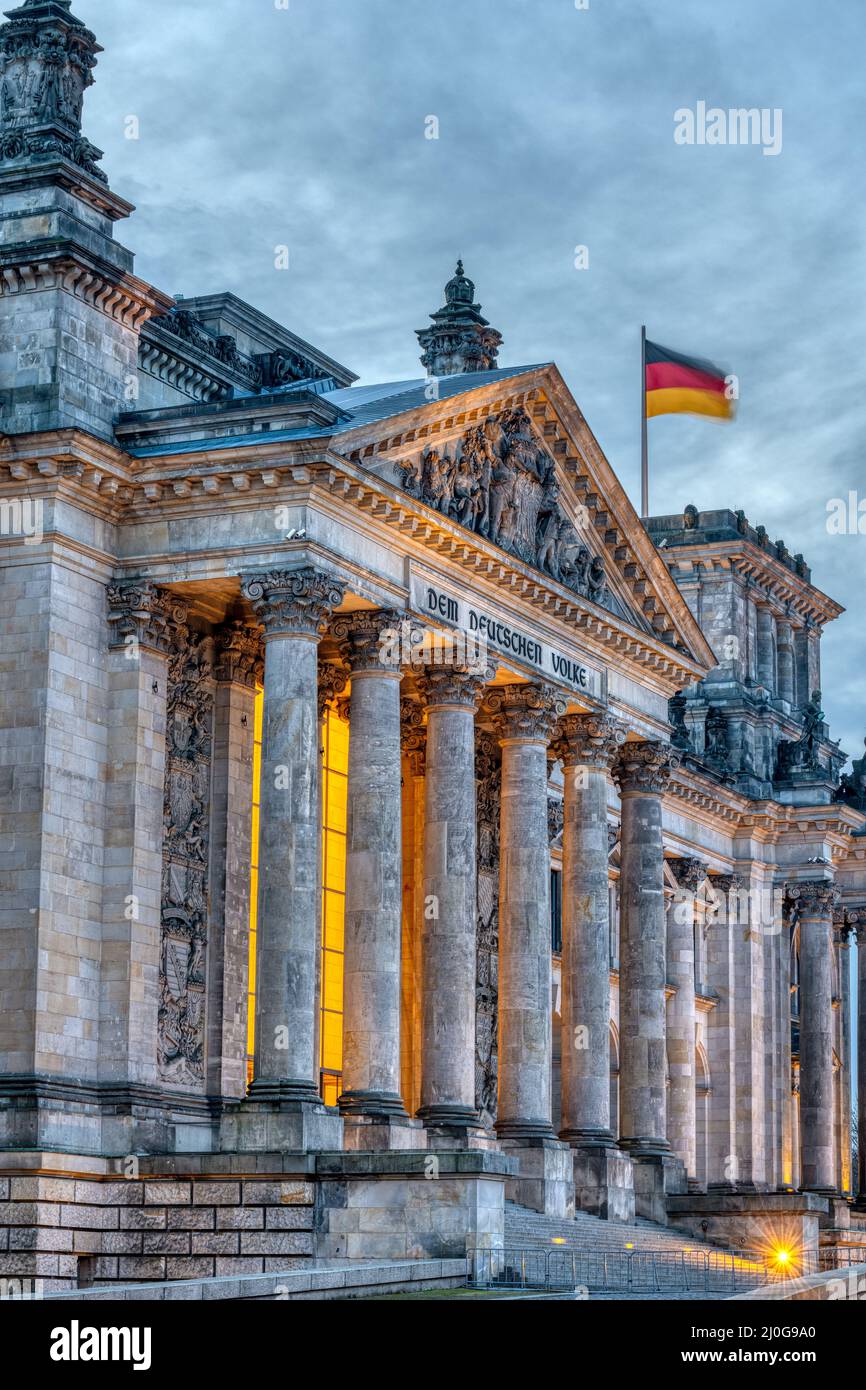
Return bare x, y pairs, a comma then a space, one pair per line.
239, 665
586, 745
785, 660
293, 606
766, 647
844, 931
525, 716
681, 1103
448, 942
371, 1019
814, 901
144, 621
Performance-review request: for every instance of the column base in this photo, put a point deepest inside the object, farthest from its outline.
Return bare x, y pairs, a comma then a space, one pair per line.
371, 1103
604, 1181
292, 1090
588, 1138
545, 1174
382, 1133
656, 1177
525, 1129
290, 1126
453, 1116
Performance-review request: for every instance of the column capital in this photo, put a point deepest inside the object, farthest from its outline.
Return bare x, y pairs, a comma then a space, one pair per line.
138, 609
413, 735
240, 657
587, 740
293, 602
644, 766
332, 682
689, 873
369, 640
526, 711
815, 897
451, 685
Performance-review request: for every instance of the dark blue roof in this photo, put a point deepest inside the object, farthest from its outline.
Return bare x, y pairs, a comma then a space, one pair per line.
359, 405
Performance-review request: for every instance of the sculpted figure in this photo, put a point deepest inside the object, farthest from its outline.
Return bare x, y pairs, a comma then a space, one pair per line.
813, 718
548, 543
467, 497
596, 580
437, 470
503, 479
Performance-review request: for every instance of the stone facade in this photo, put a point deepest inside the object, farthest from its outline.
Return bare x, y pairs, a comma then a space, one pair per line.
195, 503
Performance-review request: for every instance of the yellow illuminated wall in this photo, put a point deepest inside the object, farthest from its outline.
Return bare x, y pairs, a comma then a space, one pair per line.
254, 879
334, 781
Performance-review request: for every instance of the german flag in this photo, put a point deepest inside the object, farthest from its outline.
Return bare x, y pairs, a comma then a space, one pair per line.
677, 385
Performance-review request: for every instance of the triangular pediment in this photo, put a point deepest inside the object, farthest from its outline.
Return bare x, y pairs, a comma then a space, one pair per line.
513, 463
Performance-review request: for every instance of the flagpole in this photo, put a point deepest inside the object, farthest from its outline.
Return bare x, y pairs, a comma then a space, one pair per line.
644, 453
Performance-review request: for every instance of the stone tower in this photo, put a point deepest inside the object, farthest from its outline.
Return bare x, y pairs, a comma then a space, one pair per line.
70, 307
460, 339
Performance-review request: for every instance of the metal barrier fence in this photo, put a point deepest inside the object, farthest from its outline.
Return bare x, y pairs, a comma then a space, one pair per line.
651, 1271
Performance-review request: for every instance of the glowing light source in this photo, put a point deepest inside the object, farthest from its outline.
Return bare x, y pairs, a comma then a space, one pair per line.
782, 1256
629, 1247
557, 1240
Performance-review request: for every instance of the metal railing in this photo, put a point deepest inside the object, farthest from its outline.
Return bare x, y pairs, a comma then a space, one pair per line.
651, 1271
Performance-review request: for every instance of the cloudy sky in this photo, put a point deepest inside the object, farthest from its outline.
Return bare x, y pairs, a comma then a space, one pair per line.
303, 123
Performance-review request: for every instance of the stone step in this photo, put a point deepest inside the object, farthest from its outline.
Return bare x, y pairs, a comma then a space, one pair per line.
533, 1230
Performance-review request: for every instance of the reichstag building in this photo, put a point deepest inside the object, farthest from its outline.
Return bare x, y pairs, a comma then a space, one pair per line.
381, 798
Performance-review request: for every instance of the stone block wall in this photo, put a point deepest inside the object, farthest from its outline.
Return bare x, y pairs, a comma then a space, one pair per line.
72, 1230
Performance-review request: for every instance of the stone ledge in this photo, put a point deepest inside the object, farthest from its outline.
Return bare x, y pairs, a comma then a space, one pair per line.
329, 1279
404, 1163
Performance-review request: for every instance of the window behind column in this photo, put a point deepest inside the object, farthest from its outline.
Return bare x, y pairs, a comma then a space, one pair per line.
335, 768
254, 878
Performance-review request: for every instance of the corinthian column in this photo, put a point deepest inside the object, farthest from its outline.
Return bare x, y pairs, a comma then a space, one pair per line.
371, 1008
525, 715
450, 891
642, 771
861, 1060
586, 744
293, 606
681, 1107
814, 901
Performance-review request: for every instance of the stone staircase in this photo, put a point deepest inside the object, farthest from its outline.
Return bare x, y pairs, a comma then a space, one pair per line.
637, 1259
530, 1230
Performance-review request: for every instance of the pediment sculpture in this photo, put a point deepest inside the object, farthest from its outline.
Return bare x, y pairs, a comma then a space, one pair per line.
501, 483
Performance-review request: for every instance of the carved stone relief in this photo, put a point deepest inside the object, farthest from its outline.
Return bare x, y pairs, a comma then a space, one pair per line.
500, 482
186, 813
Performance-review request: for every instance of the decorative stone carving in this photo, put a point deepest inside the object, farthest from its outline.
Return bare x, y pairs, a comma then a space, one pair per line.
413, 735
183, 965
813, 897
588, 740
689, 873
239, 654
852, 788
293, 601
139, 611
500, 482
555, 818
460, 338
644, 767
680, 737
613, 833
47, 58
715, 753
283, 368
451, 685
799, 757
525, 711
363, 639
332, 682
223, 348
488, 774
